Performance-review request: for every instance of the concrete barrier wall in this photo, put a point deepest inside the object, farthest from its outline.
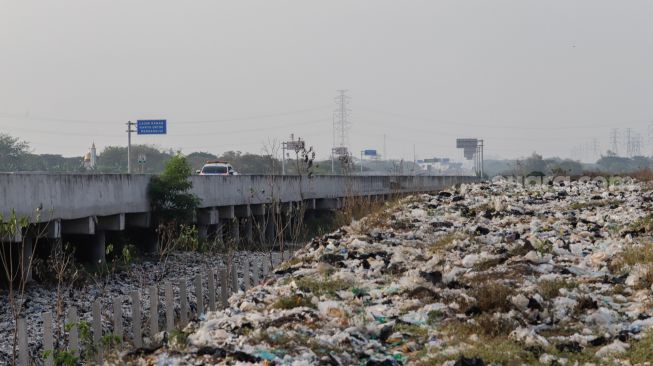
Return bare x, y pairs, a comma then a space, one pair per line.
72, 196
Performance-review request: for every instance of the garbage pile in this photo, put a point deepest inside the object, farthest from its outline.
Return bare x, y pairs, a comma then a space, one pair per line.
491, 273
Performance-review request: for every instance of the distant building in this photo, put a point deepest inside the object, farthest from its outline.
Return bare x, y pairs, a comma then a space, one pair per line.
90, 158
438, 165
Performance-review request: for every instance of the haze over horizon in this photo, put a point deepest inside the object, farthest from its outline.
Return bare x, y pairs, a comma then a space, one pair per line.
523, 75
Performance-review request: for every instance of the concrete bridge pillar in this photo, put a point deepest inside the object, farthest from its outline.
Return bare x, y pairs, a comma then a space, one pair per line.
259, 225
97, 248
270, 230
203, 232
27, 249
235, 230
206, 220
220, 230
257, 221
248, 230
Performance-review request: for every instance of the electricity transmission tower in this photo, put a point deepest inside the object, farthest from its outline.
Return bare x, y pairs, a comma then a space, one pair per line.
341, 125
341, 120
636, 144
595, 150
614, 140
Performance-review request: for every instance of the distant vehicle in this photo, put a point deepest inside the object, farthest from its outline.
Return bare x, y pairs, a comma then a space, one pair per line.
217, 168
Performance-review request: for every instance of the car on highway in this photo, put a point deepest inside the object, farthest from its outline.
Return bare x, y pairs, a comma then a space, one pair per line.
217, 168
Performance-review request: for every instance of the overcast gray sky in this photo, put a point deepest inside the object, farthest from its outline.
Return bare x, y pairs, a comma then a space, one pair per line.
545, 76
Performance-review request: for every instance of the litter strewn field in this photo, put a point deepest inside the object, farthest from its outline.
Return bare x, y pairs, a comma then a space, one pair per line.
489, 273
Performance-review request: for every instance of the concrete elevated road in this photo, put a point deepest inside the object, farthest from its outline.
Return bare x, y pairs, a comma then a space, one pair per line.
90, 206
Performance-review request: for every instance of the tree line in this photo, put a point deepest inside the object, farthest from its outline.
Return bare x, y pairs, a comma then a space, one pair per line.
17, 155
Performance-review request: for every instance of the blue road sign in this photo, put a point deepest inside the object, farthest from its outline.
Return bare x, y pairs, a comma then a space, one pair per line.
151, 127
369, 152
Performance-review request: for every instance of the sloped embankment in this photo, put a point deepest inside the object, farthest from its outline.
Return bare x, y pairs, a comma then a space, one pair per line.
487, 274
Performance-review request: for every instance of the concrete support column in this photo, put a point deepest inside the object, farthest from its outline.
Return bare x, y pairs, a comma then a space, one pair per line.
235, 230
51, 229
270, 230
220, 231
97, 250
27, 252
258, 228
203, 232
249, 230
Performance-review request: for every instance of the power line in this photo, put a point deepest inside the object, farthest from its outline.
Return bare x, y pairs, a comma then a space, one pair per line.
31, 117
477, 125
198, 134
219, 133
441, 133
260, 116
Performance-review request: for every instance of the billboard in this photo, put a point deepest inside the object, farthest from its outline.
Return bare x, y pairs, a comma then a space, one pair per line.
295, 145
469, 147
369, 152
466, 143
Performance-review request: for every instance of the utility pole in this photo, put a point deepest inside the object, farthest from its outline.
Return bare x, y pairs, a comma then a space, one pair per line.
283, 158
477, 159
482, 158
385, 152
333, 146
414, 161
129, 145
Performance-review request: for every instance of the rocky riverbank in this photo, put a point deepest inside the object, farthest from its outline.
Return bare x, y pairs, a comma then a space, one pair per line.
486, 274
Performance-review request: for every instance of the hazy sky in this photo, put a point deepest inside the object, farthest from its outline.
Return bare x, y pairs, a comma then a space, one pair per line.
545, 76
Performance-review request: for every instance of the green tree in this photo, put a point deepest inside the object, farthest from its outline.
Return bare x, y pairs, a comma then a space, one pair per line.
615, 164
113, 159
169, 193
12, 152
198, 159
533, 165
252, 163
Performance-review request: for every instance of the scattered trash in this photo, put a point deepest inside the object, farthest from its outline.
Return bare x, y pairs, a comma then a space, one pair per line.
544, 269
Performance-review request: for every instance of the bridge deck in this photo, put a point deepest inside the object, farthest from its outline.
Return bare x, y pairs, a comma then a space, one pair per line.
75, 196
